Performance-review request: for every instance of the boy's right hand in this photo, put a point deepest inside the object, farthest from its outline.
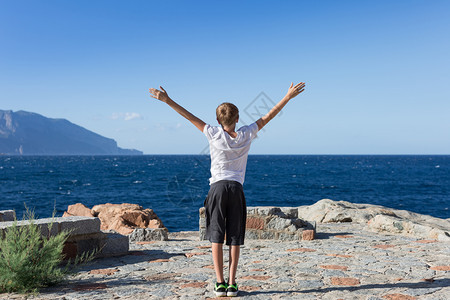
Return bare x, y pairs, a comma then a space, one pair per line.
293, 91
160, 95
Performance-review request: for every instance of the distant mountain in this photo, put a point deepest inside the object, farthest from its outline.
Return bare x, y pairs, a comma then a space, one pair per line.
26, 133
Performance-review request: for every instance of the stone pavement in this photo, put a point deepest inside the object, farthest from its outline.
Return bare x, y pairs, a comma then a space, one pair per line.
344, 262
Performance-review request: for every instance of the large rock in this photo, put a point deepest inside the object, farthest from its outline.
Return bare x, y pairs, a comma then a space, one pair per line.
378, 218
122, 218
329, 211
426, 228
78, 209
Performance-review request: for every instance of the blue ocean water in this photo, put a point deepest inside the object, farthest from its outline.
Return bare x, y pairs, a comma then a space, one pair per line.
175, 186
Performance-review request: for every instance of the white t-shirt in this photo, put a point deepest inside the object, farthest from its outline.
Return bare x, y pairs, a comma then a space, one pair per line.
229, 155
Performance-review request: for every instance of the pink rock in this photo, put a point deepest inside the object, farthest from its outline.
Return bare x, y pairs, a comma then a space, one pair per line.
343, 236
78, 209
344, 281
103, 271
301, 250
145, 242
441, 268
122, 218
426, 241
190, 254
308, 235
249, 288
195, 285
208, 267
398, 297
254, 223
334, 267
204, 247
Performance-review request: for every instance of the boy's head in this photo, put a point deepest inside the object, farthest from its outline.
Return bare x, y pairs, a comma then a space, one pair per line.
227, 114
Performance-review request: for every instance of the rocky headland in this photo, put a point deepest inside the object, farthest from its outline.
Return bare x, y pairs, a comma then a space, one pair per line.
359, 251
27, 133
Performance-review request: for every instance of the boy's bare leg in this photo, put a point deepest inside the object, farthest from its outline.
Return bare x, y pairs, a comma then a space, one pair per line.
234, 259
217, 254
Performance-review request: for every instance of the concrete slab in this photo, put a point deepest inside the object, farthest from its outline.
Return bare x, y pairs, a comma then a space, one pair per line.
79, 225
52, 226
43, 224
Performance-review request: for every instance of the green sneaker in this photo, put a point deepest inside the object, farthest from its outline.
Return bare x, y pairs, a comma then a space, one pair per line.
232, 290
220, 289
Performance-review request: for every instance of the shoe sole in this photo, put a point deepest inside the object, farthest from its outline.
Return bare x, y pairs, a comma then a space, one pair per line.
220, 294
232, 294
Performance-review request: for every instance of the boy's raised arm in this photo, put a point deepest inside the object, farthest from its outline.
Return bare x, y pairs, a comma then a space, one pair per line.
292, 92
164, 97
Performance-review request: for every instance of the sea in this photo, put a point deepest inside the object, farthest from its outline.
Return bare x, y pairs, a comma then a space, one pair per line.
175, 186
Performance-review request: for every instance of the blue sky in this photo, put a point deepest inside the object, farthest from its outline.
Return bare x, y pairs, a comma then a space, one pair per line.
377, 72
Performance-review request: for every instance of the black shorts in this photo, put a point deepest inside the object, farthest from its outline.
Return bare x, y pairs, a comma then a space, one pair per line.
226, 212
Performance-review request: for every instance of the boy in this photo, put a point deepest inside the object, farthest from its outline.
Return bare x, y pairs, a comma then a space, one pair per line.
225, 205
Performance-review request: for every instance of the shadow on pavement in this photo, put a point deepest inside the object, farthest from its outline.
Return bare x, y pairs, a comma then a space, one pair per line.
328, 235
410, 285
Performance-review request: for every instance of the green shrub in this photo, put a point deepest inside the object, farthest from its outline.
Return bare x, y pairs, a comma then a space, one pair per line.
29, 261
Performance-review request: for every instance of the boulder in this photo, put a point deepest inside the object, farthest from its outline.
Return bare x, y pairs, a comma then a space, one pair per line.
329, 211
428, 228
378, 218
122, 218
78, 209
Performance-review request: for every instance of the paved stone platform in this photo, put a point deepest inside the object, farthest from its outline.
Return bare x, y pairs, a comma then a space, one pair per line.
344, 262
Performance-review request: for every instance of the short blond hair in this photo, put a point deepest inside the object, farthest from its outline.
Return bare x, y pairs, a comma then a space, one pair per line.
227, 114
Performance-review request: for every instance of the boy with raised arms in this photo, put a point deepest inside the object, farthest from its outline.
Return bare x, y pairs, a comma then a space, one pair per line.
225, 205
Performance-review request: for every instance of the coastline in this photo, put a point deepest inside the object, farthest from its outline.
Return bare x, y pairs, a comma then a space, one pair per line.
345, 262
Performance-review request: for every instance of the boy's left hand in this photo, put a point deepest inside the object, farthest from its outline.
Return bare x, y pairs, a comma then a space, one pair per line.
294, 91
160, 95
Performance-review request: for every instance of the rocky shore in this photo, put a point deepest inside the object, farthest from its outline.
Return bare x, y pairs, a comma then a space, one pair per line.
349, 258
